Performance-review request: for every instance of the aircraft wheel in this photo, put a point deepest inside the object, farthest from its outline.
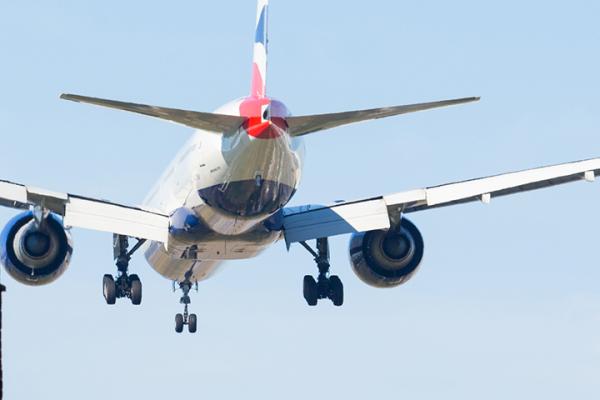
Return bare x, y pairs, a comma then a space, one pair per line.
192, 323
178, 323
109, 289
311, 290
136, 290
336, 290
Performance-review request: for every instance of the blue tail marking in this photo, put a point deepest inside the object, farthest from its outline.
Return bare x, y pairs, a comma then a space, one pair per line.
261, 29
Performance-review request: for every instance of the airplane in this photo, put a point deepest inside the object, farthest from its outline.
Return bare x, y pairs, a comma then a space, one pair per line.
225, 197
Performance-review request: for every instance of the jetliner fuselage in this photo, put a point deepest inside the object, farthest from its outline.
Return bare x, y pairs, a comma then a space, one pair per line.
224, 191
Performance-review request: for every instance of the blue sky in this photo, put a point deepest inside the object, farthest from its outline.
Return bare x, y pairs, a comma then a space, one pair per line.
507, 302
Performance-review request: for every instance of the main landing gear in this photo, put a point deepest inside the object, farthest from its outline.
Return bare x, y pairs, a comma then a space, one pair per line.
325, 286
124, 285
191, 320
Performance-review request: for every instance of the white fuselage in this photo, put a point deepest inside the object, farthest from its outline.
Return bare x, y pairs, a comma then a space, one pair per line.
224, 193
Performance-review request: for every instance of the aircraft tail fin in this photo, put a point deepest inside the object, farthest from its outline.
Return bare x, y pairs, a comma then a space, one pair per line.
261, 43
198, 120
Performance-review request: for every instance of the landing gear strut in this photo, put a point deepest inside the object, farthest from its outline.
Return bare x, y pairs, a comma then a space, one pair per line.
191, 320
325, 286
124, 285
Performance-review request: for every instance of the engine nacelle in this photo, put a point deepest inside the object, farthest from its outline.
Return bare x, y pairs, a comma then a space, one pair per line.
387, 259
35, 256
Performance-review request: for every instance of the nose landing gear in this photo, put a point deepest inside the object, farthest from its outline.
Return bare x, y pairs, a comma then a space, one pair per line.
325, 286
191, 320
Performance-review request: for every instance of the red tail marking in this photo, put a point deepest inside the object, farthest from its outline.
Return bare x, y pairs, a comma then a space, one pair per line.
256, 126
258, 84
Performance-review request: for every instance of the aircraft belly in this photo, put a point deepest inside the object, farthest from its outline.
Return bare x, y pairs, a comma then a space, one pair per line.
201, 256
178, 269
191, 238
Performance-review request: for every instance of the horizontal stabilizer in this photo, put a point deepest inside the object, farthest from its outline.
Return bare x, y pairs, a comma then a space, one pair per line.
298, 126
199, 120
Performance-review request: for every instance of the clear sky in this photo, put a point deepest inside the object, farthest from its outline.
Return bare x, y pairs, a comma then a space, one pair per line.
507, 302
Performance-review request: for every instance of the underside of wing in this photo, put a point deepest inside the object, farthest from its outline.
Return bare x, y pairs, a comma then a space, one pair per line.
311, 222
198, 120
303, 125
486, 189
83, 212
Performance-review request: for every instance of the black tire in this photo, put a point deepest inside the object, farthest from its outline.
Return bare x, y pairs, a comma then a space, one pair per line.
109, 289
178, 323
136, 290
192, 323
311, 290
336, 289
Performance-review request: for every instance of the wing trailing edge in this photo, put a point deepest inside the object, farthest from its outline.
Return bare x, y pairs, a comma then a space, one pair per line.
88, 213
303, 125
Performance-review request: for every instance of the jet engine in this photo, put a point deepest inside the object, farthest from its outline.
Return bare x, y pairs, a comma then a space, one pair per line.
35, 254
387, 259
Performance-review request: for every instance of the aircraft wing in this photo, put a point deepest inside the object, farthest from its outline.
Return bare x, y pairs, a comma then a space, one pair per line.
83, 212
312, 222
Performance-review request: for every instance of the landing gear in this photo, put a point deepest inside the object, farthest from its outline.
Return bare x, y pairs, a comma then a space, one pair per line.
109, 289
325, 286
124, 285
191, 320
179, 323
336, 291
311, 290
135, 290
192, 323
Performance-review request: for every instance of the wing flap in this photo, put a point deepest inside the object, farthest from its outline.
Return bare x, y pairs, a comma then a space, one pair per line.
206, 121
53, 201
316, 221
13, 195
107, 217
303, 125
88, 213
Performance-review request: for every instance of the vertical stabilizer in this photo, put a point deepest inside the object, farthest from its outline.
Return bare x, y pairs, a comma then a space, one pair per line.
261, 42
